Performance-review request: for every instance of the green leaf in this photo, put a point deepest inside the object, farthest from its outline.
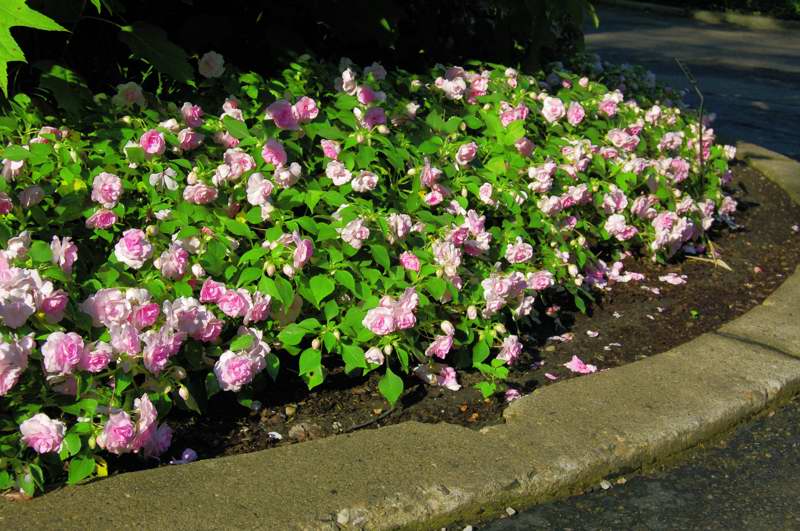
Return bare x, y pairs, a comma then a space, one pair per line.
80, 468
68, 88
150, 43
480, 352
16, 13
273, 365
292, 334
487, 389
381, 256
40, 252
353, 357
16, 153
237, 228
182, 289
241, 342
321, 287
345, 278
391, 386
285, 291
249, 275
235, 127
434, 119
72, 443
212, 385
436, 287
310, 361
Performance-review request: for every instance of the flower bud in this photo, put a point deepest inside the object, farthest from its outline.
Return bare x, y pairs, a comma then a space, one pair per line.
573, 270
288, 270
184, 393
472, 312
500, 329
198, 271
152, 230
387, 350
269, 267
337, 335
316, 343
179, 373
382, 129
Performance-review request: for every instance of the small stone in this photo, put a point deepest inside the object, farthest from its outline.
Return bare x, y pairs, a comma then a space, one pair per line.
290, 410
510, 511
468, 528
605, 485
621, 481
377, 411
304, 432
343, 517
550, 348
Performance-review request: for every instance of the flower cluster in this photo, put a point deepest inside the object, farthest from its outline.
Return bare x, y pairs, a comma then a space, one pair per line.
164, 252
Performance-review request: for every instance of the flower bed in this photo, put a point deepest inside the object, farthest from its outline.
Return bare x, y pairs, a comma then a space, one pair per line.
379, 221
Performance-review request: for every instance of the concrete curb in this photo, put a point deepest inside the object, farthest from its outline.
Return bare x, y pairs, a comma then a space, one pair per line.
556, 441
753, 22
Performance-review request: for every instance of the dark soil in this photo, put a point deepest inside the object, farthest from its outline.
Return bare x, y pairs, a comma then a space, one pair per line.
632, 322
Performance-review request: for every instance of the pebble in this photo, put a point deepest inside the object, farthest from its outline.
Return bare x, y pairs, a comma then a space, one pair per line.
605, 485
290, 410
510, 511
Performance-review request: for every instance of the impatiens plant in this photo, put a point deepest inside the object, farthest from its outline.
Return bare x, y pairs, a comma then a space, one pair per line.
355, 218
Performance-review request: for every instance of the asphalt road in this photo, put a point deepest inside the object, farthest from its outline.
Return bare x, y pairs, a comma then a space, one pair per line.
749, 480
751, 79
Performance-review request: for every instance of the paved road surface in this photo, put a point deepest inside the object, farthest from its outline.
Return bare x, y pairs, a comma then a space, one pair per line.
748, 481
751, 79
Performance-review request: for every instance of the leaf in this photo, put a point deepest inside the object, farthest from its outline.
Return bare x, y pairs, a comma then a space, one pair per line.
40, 252
321, 287
249, 275
480, 352
241, 342
79, 469
345, 278
16, 153
381, 256
390, 386
68, 88
273, 365
292, 334
310, 361
237, 228
353, 358
16, 13
436, 287
72, 443
236, 127
150, 43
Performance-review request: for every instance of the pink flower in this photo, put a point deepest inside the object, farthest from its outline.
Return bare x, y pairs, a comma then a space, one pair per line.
512, 394
354, 233
159, 346
133, 249
42, 433
524, 146
338, 173
259, 310
608, 105
192, 114
410, 261
211, 291
200, 194
65, 253
510, 114
485, 194
365, 181
575, 113
540, 280
211, 65
288, 176
234, 303
12, 169
6, 205
62, 352
96, 358
576, 365
305, 109
173, 263
614, 201
282, 114
302, 253
447, 379
258, 189
512, 347
519, 252
233, 371
466, 153
273, 153
118, 434
190, 139
553, 109
125, 339
153, 143
14, 361
616, 226
672, 278
380, 321
225, 139
330, 148
54, 304
374, 355
102, 219
429, 175
107, 307
145, 315
128, 94
374, 116
440, 346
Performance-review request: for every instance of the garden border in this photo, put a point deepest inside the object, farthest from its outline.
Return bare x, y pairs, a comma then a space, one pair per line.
753, 22
559, 440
